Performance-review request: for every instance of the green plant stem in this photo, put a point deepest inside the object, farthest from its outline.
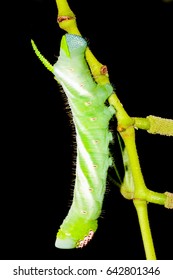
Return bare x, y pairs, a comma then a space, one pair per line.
140, 191
128, 136
155, 125
141, 123
155, 197
142, 212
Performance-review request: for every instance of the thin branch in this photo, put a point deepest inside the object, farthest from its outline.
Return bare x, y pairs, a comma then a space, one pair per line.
155, 125
142, 212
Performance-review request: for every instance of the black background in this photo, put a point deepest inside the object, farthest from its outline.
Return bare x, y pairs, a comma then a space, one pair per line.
134, 39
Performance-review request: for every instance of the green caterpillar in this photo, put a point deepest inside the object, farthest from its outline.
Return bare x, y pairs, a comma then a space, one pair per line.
91, 118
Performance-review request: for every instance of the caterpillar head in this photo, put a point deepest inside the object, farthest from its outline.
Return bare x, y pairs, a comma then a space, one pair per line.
73, 45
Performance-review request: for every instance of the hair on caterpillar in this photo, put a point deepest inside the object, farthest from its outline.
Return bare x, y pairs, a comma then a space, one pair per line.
71, 125
73, 144
102, 214
113, 86
68, 113
107, 191
66, 105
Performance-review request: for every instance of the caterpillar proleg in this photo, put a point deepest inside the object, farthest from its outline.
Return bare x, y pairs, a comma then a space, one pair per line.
91, 118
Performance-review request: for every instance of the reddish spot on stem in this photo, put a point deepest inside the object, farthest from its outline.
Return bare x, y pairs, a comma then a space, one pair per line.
62, 18
120, 128
103, 70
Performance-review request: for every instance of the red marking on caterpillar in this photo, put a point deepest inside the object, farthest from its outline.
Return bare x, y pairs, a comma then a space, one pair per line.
88, 103
86, 239
84, 212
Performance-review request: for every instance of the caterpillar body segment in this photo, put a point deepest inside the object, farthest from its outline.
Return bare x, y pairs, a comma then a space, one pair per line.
91, 119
